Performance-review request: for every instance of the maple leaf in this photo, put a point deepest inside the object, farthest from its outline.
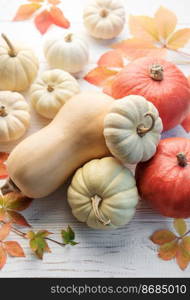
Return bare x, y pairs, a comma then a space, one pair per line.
25, 11
68, 236
58, 17
3, 167
112, 59
38, 243
161, 237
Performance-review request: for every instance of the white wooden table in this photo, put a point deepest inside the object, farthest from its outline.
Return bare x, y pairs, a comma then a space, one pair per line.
125, 252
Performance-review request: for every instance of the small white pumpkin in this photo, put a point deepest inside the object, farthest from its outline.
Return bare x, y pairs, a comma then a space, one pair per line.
104, 19
132, 129
14, 116
51, 90
103, 194
18, 66
68, 52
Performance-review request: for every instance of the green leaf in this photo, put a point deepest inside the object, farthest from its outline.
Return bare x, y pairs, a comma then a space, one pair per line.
163, 236
30, 234
33, 245
180, 226
68, 236
43, 233
16, 201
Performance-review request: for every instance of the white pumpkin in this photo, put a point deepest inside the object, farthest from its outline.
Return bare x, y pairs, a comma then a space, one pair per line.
104, 19
14, 116
103, 194
68, 52
18, 66
132, 129
51, 90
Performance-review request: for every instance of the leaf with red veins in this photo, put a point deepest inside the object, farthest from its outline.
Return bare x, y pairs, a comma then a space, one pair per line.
112, 59
4, 231
58, 17
16, 201
3, 257
163, 236
25, 11
14, 249
3, 156
43, 21
100, 75
17, 218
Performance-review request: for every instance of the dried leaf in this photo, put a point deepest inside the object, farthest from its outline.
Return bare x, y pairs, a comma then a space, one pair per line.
43, 21
182, 257
179, 39
4, 231
3, 171
99, 75
25, 11
186, 243
58, 17
186, 124
143, 27
161, 237
180, 226
16, 201
68, 236
14, 249
166, 22
168, 250
112, 59
54, 2
3, 257
17, 218
135, 48
3, 156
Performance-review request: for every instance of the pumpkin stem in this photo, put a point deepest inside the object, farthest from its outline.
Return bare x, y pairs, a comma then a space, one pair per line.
182, 159
157, 72
95, 204
68, 37
12, 51
104, 13
50, 88
3, 112
142, 130
9, 187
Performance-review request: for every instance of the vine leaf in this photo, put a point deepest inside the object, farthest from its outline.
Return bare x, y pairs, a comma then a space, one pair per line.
182, 257
179, 39
68, 236
25, 11
180, 226
100, 75
161, 237
3, 167
144, 28
58, 17
112, 59
38, 243
14, 249
43, 21
3, 256
168, 250
166, 22
4, 231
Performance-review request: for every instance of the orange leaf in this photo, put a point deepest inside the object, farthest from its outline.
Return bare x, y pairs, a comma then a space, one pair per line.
179, 39
99, 75
3, 156
58, 17
107, 87
2, 214
182, 257
112, 59
186, 123
135, 48
54, 2
3, 171
16, 201
14, 249
43, 21
180, 226
17, 218
168, 250
3, 257
143, 27
161, 237
25, 11
4, 231
186, 243
166, 22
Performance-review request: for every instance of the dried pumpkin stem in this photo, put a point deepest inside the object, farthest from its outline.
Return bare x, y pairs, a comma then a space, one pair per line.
9, 187
12, 51
95, 205
142, 130
50, 88
157, 72
68, 37
3, 112
182, 159
103, 13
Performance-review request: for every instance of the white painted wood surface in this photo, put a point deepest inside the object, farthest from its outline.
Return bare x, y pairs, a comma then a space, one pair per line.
125, 252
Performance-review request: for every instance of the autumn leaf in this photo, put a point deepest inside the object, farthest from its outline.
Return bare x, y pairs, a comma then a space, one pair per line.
54, 2
168, 250
166, 22
58, 17
14, 249
179, 39
161, 237
43, 21
38, 243
15, 201
99, 75
143, 27
17, 218
25, 11
186, 243
180, 226
3, 257
3, 167
4, 231
112, 59
35, 0
3, 156
107, 87
182, 257
68, 236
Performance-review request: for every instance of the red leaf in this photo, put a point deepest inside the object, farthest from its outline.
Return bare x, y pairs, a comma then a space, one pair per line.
160, 237
14, 249
3, 171
58, 17
186, 123
16, 201
43, 21
99, 75
18, 218
3, 257
111, 59
4, 231
25, 11
3, 156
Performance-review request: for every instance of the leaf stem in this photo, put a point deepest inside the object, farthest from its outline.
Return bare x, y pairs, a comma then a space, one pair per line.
54, 241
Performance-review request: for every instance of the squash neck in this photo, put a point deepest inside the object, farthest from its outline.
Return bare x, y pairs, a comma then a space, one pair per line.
157, 72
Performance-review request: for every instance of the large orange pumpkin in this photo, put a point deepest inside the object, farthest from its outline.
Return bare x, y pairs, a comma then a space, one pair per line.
160, 82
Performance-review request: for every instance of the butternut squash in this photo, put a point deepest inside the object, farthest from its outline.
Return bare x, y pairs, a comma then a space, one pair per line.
44, 160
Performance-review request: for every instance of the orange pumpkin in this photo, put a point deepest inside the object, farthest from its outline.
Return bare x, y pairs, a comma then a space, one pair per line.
160, 82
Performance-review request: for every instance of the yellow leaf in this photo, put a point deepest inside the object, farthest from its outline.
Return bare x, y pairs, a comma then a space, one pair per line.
179, 39
160, 237
180, 226
168, 250
166, 22
143, 27
182, 257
